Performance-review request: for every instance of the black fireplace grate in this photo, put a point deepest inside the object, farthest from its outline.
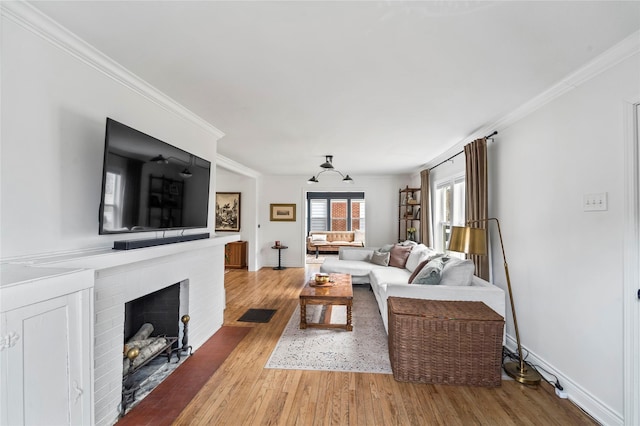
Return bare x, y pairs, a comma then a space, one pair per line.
257, 315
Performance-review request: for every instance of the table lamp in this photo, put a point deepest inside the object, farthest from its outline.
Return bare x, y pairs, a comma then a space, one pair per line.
474, 241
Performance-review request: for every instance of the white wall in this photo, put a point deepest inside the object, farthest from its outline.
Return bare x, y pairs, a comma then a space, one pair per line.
381, 195
54, 107
228, 181
566, 264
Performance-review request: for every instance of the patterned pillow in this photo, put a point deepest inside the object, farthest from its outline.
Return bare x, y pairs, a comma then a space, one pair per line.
418, 269
399, 256
380, 258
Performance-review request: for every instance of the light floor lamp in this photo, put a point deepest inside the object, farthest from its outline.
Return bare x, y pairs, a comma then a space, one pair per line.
474, 241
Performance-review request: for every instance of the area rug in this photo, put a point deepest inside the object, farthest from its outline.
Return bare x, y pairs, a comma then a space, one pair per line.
311, 259
362, 350
257, 315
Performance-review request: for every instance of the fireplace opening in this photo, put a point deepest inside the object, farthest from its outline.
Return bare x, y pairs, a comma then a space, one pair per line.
160, 308
151, 331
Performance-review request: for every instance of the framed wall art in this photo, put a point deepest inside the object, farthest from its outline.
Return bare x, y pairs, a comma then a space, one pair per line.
228, 211
282, 212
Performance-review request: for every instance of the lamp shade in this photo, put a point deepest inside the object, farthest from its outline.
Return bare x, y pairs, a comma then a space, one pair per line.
468, 240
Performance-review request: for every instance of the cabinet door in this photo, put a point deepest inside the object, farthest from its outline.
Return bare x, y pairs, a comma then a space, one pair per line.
46, 368
236, 254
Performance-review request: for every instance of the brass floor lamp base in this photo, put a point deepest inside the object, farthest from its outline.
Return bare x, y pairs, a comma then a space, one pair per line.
528, 376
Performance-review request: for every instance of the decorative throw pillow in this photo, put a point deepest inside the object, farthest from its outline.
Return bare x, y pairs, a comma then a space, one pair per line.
418, 269
380, 258
458, 272
418, 253
386, 248
319, 237
399, 255
431, 273
408, 243
358, 236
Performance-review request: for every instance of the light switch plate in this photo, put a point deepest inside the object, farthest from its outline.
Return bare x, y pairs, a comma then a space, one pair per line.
595, 202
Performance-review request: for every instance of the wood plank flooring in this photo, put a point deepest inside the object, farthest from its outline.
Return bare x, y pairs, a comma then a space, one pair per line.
242, 392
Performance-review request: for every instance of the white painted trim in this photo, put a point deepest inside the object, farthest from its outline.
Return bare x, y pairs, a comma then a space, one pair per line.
233, 166
618, 53
631, 264
581, 397
38, 23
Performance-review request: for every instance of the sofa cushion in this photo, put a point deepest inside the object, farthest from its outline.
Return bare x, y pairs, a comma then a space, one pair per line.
355, 253
431, 273
380, 258
356, 268
457, 272
399, 256
418, 254
319, 237
418, 269
390, 275
386, 247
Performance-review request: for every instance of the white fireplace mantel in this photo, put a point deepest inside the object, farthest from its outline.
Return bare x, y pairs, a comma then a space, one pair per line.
94, 285
103, 258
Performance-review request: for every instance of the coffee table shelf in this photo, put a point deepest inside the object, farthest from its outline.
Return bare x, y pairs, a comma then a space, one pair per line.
340, 293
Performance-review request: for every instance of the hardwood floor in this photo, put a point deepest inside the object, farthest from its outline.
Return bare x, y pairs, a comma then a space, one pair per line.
242, 392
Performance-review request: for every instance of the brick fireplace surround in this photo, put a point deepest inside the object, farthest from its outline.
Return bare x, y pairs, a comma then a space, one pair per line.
122, 276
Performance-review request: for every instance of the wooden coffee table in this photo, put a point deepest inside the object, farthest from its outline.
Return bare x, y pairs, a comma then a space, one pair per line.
338, 292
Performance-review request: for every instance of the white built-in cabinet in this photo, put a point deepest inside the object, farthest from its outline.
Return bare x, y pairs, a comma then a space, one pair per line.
46, 350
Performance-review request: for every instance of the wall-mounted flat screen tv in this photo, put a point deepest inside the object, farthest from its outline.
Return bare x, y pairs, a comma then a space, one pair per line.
150, 185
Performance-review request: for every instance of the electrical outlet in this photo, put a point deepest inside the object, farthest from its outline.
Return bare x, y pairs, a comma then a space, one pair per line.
561, 394
594, 202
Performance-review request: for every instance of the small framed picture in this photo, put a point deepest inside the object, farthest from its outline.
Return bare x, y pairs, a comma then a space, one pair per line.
282, 212
228, 211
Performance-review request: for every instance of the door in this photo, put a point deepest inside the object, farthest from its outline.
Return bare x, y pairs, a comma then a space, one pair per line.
631, 288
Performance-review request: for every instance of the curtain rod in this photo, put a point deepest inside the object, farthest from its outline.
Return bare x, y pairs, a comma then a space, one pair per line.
495, 132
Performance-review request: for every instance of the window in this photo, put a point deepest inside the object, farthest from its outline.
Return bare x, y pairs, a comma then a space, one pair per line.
335, 211
449, 210
317, 215
357, 214
113, 201
339, 215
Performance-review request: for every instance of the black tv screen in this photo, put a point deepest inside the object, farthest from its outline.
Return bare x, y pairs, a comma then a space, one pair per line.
150, 185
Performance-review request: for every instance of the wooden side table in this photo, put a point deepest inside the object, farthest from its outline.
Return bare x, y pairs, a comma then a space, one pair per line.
279, 248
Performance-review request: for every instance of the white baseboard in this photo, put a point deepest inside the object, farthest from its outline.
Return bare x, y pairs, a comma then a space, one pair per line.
581, 397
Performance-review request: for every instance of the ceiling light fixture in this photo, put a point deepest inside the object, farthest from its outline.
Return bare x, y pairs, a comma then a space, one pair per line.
186, 173
160, 159
327, 166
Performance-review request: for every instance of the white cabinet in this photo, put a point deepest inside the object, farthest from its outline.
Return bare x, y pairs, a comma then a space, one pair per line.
46, 346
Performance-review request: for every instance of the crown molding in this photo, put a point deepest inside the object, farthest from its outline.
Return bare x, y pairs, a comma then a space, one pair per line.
619, 52
233, 166
30, 18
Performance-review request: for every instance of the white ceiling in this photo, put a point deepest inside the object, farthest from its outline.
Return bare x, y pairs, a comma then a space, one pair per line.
383, 86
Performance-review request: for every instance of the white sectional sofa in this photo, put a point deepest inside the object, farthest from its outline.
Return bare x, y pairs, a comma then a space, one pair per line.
393, 281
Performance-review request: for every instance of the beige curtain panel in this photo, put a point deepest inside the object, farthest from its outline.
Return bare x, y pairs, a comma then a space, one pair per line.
425, 208
477, 195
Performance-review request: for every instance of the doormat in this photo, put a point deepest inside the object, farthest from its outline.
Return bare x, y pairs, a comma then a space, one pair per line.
257, 315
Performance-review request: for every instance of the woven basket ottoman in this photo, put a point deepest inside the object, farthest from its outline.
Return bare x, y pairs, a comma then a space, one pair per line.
445, 342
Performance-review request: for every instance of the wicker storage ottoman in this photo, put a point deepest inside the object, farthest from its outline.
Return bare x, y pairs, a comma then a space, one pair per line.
445, 342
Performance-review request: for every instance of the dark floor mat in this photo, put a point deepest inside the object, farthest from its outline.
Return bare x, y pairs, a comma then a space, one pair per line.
257, 315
